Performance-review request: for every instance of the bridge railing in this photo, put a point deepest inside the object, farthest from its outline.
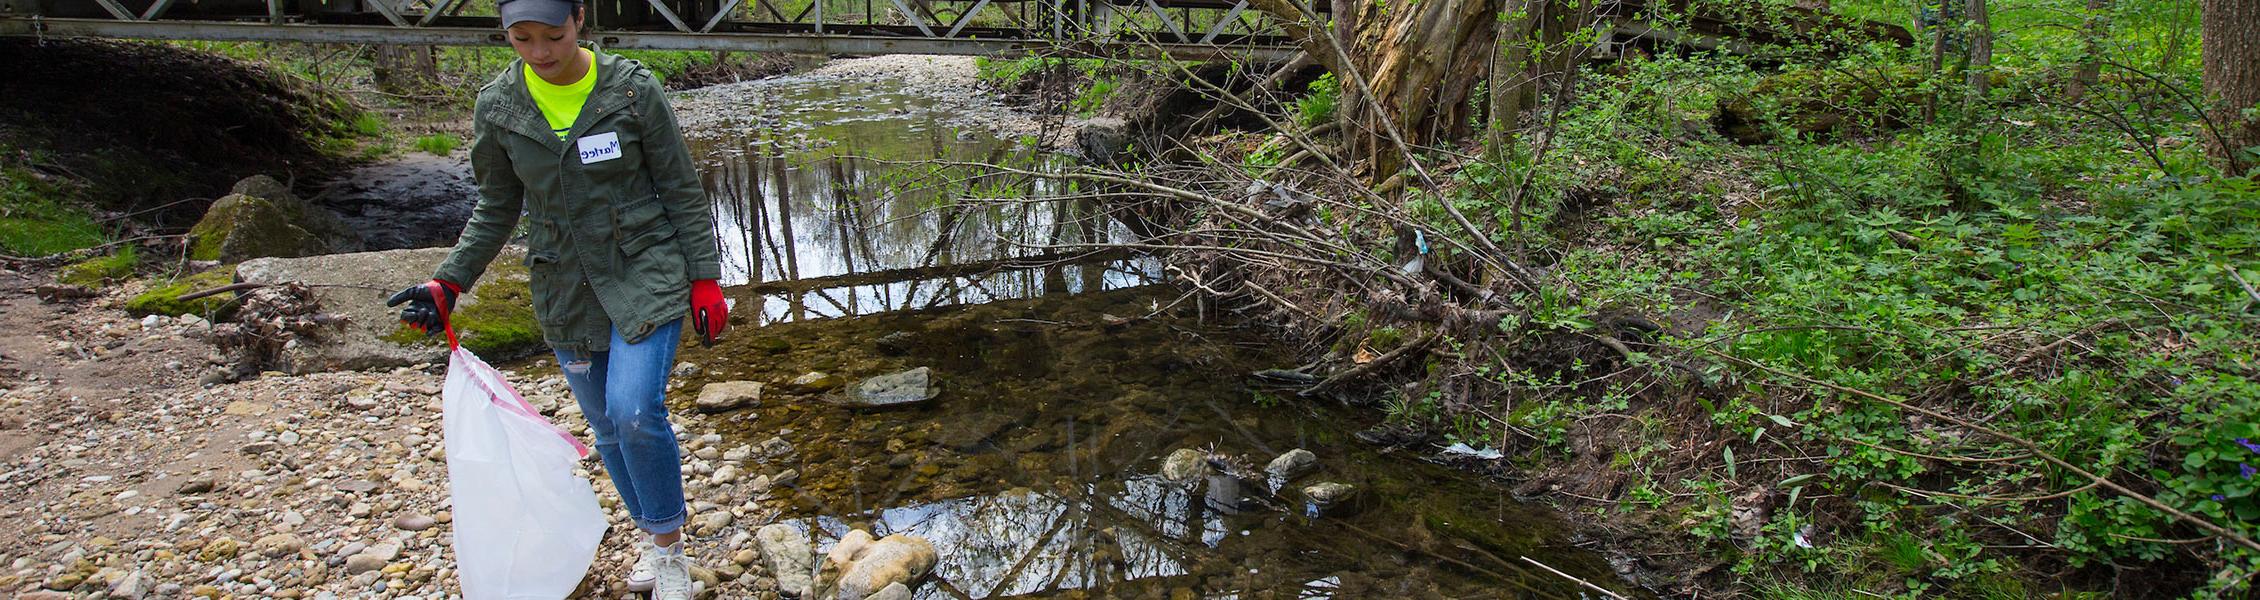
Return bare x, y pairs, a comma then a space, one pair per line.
1185, 28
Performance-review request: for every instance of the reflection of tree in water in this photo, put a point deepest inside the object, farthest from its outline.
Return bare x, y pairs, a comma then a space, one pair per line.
806, 215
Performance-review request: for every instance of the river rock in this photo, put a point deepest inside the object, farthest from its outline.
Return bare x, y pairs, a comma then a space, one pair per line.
354, 286
414, 522
1186, 465
857, 566
1329, 493
711, 523
814, 382
363, 563
134, 585
724, 396
278, 545
1290, 465
197, 485
790, 557
915, 386
776, 447
726, 475
893, 591
219, 549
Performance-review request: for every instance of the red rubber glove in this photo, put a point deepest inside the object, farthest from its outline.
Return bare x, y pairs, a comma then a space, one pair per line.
710, 314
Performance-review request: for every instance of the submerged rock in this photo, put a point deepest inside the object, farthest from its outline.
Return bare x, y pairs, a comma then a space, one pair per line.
967, 432
1327, 497
896, 344
914, 386
1186, 465
814, 382
723, 396
1290, 465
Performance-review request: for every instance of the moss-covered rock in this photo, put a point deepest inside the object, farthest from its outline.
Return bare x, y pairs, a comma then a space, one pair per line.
165, 299
100, 271
261, 218
240, 227
498, 323
335, 233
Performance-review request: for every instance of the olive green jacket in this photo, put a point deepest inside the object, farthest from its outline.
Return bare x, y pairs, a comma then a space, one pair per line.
610, 243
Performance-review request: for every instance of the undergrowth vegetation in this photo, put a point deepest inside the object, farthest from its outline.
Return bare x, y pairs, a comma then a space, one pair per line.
1895, 336
1850, 320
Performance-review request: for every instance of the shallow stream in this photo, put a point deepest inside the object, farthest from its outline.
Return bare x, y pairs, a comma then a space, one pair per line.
1065, 381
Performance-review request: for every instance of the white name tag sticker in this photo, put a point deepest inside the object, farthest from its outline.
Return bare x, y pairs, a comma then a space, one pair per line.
600, 147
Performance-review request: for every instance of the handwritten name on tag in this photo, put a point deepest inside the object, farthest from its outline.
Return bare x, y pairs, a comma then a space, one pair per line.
600, 147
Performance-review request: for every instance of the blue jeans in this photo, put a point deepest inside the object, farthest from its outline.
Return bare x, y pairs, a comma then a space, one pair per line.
623, 393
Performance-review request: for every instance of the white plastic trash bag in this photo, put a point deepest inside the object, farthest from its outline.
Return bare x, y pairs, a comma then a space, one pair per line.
525, 526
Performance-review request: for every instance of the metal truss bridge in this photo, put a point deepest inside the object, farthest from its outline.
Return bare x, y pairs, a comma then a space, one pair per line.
1184, 29
1190, 29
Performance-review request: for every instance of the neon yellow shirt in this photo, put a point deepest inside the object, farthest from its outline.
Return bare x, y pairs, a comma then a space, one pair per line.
561, 104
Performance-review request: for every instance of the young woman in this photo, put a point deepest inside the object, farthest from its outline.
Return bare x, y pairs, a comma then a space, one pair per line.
619, 242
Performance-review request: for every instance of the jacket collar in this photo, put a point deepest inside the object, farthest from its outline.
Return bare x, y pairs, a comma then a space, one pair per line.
513, 106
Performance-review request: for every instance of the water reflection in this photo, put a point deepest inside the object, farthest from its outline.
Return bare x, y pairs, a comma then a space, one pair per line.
1023, 542
833, 186
923, 293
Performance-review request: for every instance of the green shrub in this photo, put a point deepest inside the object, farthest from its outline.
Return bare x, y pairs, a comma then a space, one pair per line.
1317, 106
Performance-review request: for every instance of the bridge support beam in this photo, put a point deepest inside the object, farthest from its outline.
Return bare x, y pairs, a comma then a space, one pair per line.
829, 44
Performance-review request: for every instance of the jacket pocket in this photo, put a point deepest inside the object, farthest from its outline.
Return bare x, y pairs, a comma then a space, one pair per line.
641, 225
541, 244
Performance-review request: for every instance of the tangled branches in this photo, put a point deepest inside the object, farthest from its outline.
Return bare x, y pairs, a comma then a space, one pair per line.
273, 318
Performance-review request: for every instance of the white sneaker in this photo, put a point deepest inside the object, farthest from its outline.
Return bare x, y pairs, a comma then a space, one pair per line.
641, 576
672, 571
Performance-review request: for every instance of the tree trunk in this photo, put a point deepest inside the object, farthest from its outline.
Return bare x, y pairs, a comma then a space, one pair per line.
403, 69
1418, 61
1980, 73
1510, 64
2091, 58
2232, 79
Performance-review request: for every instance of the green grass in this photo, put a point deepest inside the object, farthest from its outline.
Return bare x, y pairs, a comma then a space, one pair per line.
36, 221
441, 143
367, 124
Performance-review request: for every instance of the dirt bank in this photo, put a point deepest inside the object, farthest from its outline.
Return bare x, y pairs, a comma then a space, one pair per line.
147, 125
